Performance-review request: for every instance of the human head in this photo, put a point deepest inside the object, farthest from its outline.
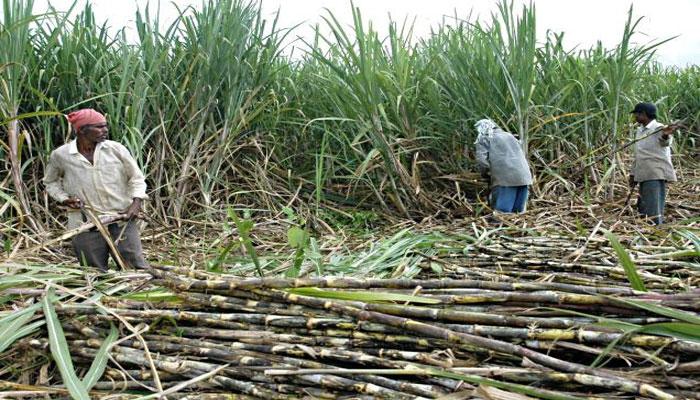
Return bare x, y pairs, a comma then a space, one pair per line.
644, 113
89, 125
485, 127
86, 116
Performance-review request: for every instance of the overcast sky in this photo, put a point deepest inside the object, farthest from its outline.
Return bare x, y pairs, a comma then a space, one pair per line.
584, 22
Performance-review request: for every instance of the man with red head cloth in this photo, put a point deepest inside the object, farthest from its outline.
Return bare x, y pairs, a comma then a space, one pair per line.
99, 174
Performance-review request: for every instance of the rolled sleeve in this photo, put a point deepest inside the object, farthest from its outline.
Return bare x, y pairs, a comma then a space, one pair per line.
53, 180
136, 181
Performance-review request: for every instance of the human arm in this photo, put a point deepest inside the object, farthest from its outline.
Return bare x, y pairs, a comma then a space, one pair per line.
482, 155
135, 179
136, 183
666, 135
53, 181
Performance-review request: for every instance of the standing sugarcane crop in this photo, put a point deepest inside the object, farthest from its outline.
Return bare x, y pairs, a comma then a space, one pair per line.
652, 166
500, 155
103, 174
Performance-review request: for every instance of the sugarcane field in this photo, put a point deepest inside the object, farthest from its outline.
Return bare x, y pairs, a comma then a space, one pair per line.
210, 199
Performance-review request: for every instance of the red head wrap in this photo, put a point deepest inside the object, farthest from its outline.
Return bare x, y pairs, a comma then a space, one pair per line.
86, 116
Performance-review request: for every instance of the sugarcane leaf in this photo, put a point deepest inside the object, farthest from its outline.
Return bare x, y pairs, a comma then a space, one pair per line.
626, 261
24, 331
513, 387
158, 294
215, 264
15, 204
297, 237
678, 330
362, 296
436, 268
29, 115
661, 310
244, 227
31, 309
59, 351
315, 256
692, 237
623, 326
14, 281
97, 368
681, 254
11, 325
611, 346
7, 299
295, 269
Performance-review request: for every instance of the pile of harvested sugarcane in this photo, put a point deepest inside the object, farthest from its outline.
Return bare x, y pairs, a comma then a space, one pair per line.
386, 338
583, 261
532, 307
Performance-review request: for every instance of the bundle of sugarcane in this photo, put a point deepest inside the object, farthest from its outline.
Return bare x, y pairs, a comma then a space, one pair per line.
510, 254
483, 312
385, 338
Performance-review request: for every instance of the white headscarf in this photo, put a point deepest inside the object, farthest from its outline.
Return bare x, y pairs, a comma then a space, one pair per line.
485, 127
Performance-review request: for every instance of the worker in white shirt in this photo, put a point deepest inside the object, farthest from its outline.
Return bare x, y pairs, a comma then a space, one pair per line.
652, 167
91, 170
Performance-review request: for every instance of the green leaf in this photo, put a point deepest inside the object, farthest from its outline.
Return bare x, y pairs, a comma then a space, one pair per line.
244, 227
363, 296
297, 237
295, 270
97, 368
11, 325
30, 115
21, 280
611, 346
215, 264
60, 353
315, 256
661, 310
623, 326
692, 237
14, 204
626, 261
513, 387
678, 330
436, 268
158, 294
291, 216
31, 309
26, 330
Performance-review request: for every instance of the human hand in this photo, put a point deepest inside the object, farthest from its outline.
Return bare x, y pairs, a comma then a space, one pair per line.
73, 202
133, 210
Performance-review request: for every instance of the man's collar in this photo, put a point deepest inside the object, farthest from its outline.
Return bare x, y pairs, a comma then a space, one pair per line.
73, 146
651, 124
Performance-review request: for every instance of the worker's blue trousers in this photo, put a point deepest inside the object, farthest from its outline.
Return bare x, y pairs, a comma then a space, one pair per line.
510, 199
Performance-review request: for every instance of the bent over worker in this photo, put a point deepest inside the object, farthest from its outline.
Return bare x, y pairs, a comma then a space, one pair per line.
499, 154
91, 170
652, 166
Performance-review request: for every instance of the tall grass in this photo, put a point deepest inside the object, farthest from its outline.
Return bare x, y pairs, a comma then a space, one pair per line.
15, 32
218, 116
